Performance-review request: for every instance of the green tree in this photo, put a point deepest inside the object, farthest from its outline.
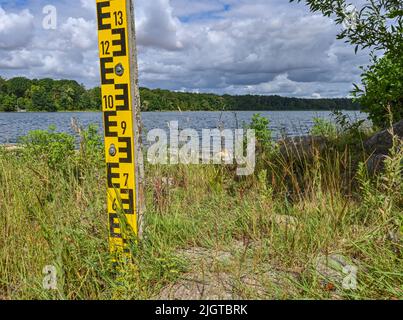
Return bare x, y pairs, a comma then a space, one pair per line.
42, 99
67, 99
262, 132
382, 90
18, 86
3, 85
24, 103
9, 103
95, 98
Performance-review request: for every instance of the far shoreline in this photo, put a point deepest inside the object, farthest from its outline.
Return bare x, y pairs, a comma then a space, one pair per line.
181, 111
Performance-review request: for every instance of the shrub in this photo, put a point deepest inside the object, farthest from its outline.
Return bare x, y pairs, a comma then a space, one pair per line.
382, 90
48, 145
91, 147
262, 132
324, 128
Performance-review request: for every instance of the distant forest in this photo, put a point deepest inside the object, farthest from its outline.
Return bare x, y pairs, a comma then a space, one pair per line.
18, 94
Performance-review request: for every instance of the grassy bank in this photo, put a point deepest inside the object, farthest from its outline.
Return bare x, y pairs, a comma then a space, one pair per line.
208, 233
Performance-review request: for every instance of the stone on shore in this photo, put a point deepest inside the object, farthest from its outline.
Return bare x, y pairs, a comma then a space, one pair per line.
381, 142
304, 147
11, 147
378, 146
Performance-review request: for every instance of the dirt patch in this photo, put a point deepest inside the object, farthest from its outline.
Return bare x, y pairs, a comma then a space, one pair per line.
219, 275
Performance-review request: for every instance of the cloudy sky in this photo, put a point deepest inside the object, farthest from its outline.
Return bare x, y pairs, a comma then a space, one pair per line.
221, 46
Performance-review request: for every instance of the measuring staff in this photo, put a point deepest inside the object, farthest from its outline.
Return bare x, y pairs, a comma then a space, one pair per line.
121, 111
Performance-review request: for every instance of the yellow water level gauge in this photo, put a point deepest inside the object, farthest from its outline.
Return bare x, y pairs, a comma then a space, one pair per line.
118, 104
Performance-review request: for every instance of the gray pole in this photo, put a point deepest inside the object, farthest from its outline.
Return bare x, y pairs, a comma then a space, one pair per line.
136, 104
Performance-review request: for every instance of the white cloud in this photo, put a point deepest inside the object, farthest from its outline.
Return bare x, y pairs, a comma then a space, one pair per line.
222, 46
316, 95
15, 29
79, 33
157, 27
18, 59
88, 4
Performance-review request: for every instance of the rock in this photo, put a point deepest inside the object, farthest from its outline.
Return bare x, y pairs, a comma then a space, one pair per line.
220, 285
333, 269
11, 147
381, 142
394, 236
207, 256
378, 147
218, 275
330, 267
199, 287
304, 147
375, 163
203, 281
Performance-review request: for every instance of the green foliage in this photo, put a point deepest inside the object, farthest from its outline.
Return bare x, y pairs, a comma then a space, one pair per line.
383, 194
3, 86
18, 86
382, 90
325, 128
91, 151
94, 95
264, 141
58, 149
164, 100
340, 128
41, 99
262, 132
47, 95
24, 103
69, 95
50, 146
93, 139
8, 103
88, 101
345, 124
351, 132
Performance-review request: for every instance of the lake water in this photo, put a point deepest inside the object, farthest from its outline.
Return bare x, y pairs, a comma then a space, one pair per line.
291, 123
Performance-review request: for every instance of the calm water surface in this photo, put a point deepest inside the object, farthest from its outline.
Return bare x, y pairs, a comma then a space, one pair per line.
291, 123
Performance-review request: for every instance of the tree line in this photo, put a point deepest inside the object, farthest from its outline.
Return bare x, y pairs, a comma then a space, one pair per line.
20, 93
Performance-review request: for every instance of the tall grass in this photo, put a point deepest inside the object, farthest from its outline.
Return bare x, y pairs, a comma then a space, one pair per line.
270, 227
